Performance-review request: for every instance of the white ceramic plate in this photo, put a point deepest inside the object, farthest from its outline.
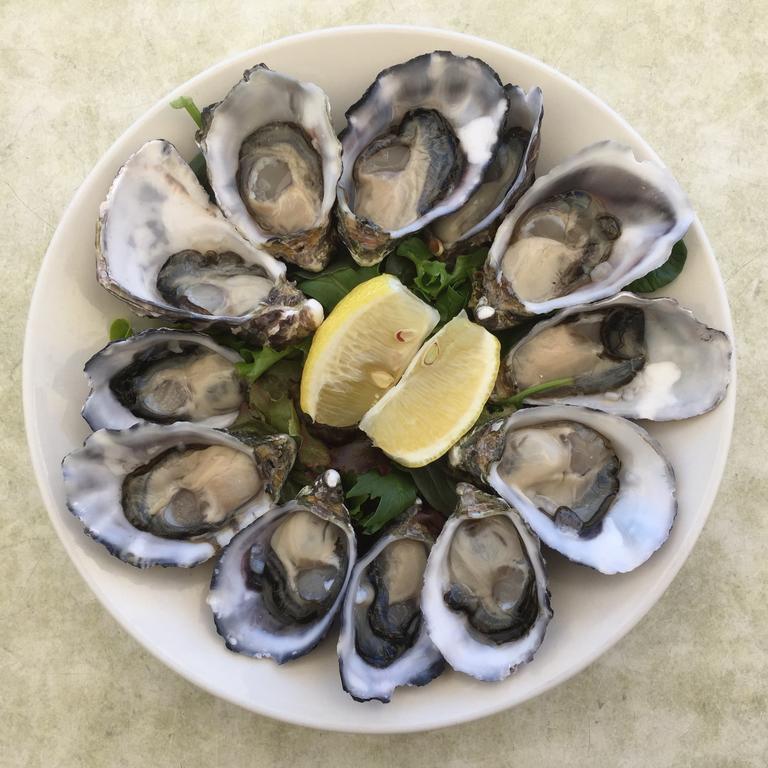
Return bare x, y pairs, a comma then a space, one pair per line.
165, 609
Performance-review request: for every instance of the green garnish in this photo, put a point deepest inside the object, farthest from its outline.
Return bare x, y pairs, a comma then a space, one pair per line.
393, 494
448, 290
516, 401
436, 486
663, 275
331, 285
186, 102
120, 329
256, 362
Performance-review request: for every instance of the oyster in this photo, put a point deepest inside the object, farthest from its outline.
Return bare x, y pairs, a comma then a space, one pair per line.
508, 176
172, 495
163, 376
630, 356
273, 161
415, 148
168, 252
592, 225
383, 641
485, 597
593, 486
278, 585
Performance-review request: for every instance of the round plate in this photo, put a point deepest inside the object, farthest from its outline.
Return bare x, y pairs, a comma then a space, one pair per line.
165, 610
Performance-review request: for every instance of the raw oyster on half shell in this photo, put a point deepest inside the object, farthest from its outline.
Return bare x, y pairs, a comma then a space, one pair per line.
383, 641
273, 162
172, 495
279, 584
593, 486
163, 248
416, 146
590, 226
485, 597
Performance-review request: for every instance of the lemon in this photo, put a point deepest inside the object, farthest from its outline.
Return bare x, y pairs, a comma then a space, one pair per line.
362, 349
439, 397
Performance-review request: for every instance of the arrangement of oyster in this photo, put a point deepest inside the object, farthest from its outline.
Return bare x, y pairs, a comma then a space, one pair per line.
417, 144
172, 495
163, 376
383, 641
509, 174
485, 597
278, 585
435, 145
273, 162
592, 225
593, 486
168, 252
630, 356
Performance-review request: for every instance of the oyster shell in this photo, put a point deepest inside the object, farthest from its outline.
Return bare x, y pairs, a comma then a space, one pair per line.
172, 495
508, 176
592, 225
383, 641
485, 597
279, 584
273, 161
163, 248
415, 148
162, 376
593, 486
630, 356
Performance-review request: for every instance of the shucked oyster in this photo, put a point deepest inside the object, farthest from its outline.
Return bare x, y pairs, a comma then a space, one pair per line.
485, 597
273, 161
506, 178
383, 641
592, 225
163, 376
168, 252
630, 356
172, 495
278, 585
415, 148
593, 486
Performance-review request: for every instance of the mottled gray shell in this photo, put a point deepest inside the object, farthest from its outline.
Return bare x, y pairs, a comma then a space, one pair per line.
469, 95
260, 98
610, 171
419, 665
642, 513
687, 369
102, 410
156, 208
93, 483
462, 648
233, 604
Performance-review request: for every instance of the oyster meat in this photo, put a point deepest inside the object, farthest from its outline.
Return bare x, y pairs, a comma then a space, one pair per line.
383, 641
508, 176
592, 225
273, 162
630, 356
593, 486
485, 597
279, 584
172, 495
163, 376
168, 252
416, 146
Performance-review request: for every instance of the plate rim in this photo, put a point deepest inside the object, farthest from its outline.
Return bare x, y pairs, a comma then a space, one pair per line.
108, 158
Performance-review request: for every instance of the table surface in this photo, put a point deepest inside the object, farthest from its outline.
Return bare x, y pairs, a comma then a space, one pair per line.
688, 687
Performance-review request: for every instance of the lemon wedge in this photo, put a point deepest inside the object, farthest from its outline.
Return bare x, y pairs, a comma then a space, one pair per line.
362, 349
439, 397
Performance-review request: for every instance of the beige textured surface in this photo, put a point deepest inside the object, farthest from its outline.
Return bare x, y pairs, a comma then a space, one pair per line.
688, 687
